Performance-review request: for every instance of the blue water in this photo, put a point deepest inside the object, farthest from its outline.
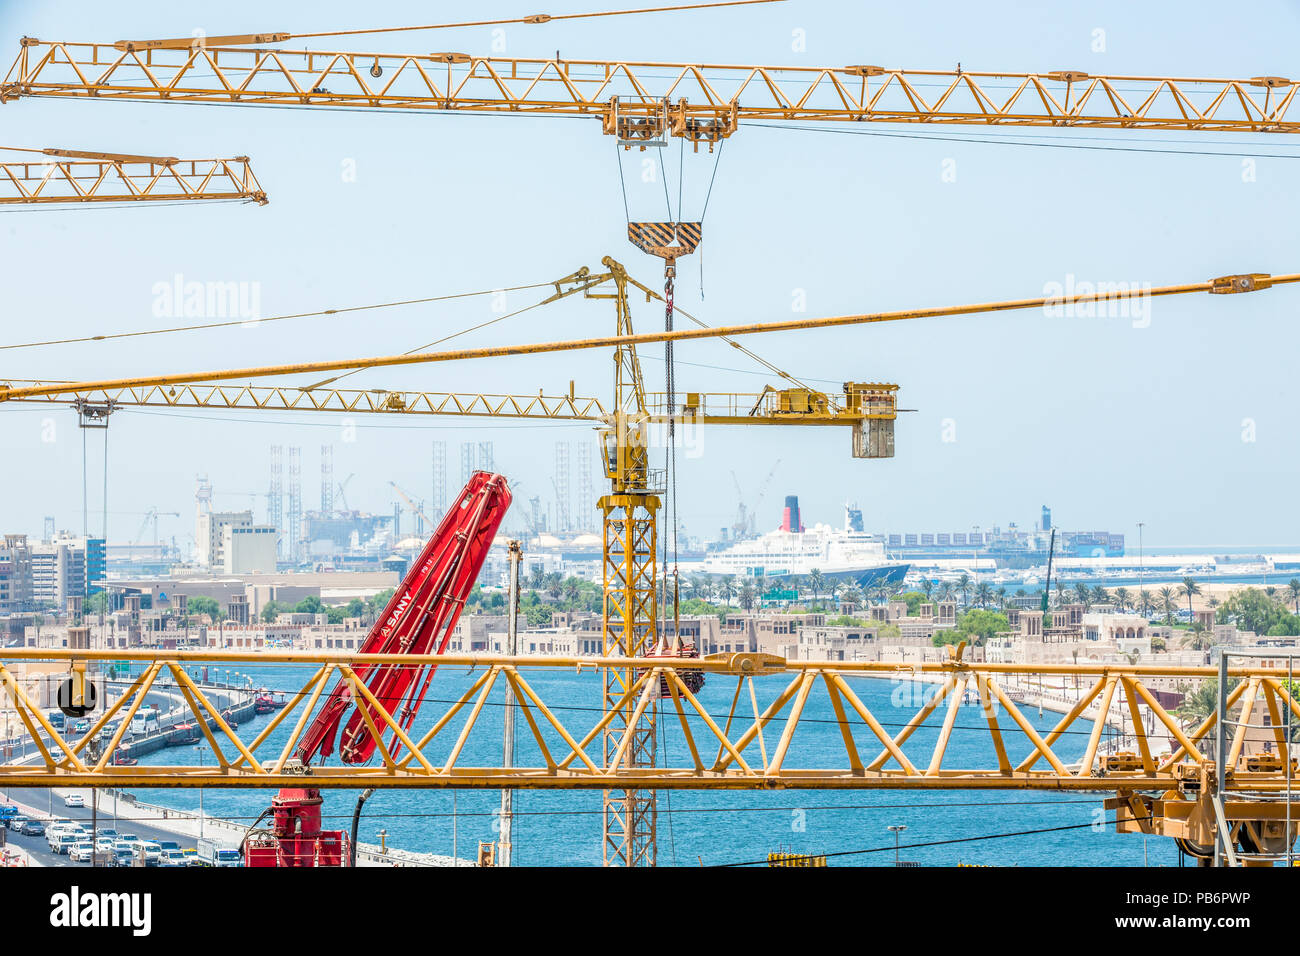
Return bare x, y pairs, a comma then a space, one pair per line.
564, 828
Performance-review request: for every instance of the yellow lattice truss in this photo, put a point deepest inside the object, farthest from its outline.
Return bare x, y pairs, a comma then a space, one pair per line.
640, 101
104, 177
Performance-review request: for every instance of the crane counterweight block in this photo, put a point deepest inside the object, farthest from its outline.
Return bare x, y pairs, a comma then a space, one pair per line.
418, 619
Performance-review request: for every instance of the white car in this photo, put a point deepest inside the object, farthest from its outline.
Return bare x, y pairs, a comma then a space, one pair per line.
152, 852
74, 800
81, 852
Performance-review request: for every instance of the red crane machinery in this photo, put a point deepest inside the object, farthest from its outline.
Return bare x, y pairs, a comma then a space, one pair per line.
418, 619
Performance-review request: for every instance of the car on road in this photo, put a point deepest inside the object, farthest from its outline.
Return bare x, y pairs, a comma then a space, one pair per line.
33, 828
74, 800
57, 828
152, 852
81, 727
64, 841
173, 858
16, 823
7, 810
107, 832
81, 852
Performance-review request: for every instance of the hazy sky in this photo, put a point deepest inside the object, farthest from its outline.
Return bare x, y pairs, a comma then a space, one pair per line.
1109, 421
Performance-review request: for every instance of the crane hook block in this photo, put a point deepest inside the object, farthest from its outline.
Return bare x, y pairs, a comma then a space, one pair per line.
657, 238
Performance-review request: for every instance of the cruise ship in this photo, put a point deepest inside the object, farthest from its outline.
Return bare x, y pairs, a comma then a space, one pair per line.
846, 553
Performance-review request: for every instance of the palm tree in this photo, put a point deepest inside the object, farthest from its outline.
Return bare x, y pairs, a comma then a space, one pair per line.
945, 591
1100, 595
1002, 596
1144, 602
816, 580
983, 594
1083, 594
748, 596
1293, 592
1060, 592
1197, 638
1167, 604
1123, 600
928, 587
725, 588
1187, 589
963, 585
833, 587
853, 596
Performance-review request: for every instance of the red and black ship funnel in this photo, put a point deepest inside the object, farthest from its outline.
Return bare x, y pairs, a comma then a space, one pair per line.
790, 520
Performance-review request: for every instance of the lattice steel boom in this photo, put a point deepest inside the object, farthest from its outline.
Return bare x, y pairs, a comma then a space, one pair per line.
641, 101
69, 176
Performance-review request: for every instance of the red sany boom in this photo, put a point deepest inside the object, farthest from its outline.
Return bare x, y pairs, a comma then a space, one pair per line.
419, 619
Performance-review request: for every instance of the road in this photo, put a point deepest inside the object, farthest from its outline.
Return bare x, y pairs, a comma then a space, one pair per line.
39, 801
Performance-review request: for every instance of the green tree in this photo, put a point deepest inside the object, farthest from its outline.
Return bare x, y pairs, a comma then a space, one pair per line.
726, 588
1167, 603
1203, 701
748, 596
1189, 588
311, 604
1253, 610
202, 604
1293, 592
816, 581
1123, 599
376, 603
1197, 637
1145, 602
975, 627
572, 590
270, 610
964, 585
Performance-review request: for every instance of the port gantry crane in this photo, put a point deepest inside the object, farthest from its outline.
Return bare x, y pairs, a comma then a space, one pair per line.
78, 176
636, 668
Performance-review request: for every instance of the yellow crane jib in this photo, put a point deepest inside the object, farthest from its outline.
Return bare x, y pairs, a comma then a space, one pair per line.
642, 102
80, 176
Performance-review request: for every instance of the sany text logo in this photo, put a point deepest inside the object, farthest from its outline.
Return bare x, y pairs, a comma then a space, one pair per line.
75, 909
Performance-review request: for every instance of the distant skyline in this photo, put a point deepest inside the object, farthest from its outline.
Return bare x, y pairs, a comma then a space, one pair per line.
1180, 419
